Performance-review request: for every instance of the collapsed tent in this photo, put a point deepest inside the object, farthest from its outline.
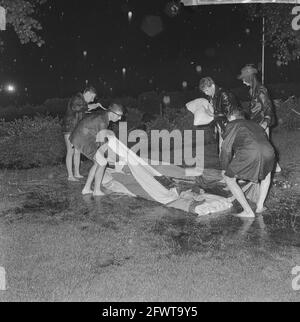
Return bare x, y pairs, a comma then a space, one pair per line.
160, 183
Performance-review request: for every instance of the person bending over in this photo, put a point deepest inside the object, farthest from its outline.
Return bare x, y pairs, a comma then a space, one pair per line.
78, 105
246, 154
84, 137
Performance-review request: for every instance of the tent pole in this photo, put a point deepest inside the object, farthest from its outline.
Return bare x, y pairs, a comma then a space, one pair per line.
263, 52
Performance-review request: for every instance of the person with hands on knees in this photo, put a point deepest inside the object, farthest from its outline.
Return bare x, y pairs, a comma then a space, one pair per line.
246, 154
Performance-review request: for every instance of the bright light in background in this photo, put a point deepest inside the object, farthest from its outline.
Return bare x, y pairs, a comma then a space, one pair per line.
166, 100
10, 88
129, 16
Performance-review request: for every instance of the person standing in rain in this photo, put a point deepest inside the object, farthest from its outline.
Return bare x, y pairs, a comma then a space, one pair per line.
78, 105
260, 108
222, 102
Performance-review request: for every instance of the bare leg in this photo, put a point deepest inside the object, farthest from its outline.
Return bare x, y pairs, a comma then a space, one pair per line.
77, 164
264, 188
220, 141
239, 195
278, 167
88, 185
69, 158
98, 180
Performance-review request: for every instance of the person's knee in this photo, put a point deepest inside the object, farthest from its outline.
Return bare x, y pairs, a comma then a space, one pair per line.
100, 159
70, 151
229, 179
76, 152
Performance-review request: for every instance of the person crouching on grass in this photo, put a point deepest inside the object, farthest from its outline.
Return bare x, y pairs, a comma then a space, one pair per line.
246, 154
78, 105
84, 139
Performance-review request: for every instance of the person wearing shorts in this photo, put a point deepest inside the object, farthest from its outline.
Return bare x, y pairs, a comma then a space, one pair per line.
78, 105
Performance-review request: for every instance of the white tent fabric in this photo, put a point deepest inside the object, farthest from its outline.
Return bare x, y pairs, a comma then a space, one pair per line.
202, 110
143, 173
211, 2
141, 176
2, 18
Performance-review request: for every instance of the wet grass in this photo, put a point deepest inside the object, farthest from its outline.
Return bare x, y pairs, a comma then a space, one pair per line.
125, 248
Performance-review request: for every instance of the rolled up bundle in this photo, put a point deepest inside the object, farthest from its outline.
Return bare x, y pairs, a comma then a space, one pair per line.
202, 110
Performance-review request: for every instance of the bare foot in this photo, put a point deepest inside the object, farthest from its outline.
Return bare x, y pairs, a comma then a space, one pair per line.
73, 179
260, 210
98, 193
278, 168
245, 214
79, 176
86, 191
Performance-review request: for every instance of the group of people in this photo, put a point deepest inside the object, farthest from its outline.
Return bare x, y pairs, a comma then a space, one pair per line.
244, 148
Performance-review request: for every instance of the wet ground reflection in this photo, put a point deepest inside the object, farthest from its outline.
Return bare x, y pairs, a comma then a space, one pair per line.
188, 232
60, 245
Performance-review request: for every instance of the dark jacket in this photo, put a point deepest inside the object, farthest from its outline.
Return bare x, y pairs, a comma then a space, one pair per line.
223, 101
260, 109
246, 152
85, 133
77, 106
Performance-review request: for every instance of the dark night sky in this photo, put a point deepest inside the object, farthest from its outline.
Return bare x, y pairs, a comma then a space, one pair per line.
217, 38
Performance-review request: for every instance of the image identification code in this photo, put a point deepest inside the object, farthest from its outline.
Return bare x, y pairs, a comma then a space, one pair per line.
151, 311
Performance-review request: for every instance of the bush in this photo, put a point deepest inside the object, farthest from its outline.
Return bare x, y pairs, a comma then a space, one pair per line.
179, 119
133, 118
288, 113
149, 102
55, 106
31, 142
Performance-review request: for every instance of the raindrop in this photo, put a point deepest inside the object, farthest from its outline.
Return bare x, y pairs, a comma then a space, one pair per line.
129, 16
84, 53
152, 25
199, 69
184, 84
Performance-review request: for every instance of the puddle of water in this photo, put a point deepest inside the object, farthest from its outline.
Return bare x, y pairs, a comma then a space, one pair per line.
280, 226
